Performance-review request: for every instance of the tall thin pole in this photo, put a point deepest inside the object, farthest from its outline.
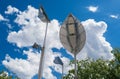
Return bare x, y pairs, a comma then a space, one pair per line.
40, 71
75, 66
62, 71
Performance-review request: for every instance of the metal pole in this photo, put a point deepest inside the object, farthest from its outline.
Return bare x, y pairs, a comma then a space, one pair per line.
75, 66
40, 71
62, 71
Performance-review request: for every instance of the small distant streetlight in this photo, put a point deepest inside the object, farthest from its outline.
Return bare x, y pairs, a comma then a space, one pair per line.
57, 60
36, 46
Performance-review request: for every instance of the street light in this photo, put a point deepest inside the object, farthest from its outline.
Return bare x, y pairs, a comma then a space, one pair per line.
36, 46
43, 17
57, 60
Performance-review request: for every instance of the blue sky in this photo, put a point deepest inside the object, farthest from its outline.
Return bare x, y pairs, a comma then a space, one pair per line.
20, 28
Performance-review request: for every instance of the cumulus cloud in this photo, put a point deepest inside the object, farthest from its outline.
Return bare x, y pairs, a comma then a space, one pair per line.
2, 18
114, 16
32, 30
96, 45
11, 10
93, 8
25, 69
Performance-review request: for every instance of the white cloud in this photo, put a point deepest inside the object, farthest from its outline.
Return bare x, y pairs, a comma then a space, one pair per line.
28, 16
96, 45
114, 16
25, 69
2, 18
93, 8
32, 30
11, 10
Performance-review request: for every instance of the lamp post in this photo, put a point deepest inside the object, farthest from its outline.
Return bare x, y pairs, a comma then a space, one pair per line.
57, 60
36, 46
40, 71
43, 17
62, 70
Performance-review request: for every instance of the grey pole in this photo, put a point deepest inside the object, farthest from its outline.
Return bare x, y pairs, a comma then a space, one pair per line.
75, 66
42, 55
62, 70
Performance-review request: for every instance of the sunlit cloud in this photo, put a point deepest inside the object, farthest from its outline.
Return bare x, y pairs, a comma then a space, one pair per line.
11, 10
2, 18
93, 8
114, 16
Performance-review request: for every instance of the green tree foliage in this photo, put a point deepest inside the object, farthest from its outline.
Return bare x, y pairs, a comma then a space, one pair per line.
4, 75
115, 65
98, 69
